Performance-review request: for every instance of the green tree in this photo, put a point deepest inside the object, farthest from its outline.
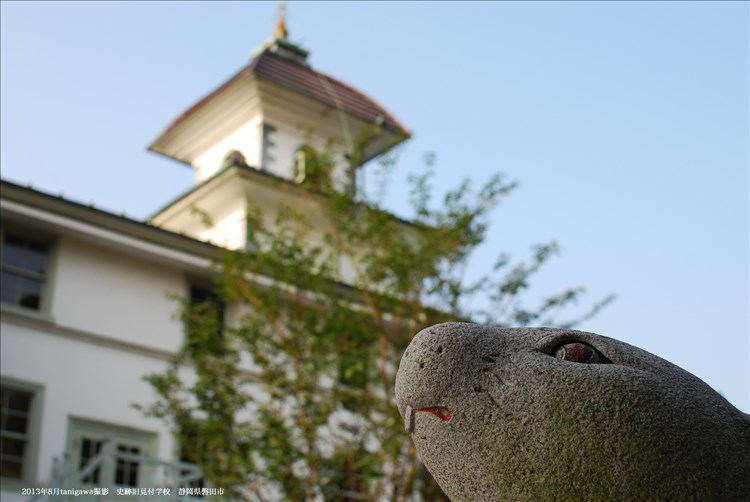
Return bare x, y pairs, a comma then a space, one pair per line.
313, 415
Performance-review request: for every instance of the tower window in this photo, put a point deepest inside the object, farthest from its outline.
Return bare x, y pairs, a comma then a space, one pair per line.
269, 143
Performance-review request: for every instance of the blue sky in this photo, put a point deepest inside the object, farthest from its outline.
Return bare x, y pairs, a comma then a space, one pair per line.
626, 125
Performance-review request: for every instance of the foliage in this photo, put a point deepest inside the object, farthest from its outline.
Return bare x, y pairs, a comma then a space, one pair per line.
292, 396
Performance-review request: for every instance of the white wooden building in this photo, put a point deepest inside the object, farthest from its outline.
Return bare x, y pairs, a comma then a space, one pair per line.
85, 305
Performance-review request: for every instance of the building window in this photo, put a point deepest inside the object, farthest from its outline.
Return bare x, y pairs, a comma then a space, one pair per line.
206, 314
109, 455
90, 448
25, 263
314, 168
126, 470
17, 431
267, 148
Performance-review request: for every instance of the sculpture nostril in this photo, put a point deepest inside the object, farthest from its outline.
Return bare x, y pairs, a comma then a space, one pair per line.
440, 349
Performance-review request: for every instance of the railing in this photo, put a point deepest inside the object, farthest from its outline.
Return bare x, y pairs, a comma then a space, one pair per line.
155, 479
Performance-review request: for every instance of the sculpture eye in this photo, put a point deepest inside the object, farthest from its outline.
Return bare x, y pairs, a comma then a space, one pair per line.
579, 353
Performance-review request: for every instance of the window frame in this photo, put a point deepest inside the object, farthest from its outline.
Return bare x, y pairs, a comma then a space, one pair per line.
80, 429
31, 452
45, 301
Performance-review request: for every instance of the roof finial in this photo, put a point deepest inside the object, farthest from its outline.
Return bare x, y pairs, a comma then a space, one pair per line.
280, 30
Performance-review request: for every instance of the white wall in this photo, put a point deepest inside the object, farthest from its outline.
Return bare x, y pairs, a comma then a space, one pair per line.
246, 139
286, 140
80, 379
112, 324
100, 291
230, 230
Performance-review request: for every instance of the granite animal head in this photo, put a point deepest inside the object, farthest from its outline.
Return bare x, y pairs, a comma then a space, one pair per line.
553, 414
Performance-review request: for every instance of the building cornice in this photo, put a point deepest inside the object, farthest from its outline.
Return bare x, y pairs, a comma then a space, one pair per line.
22, 202
268, 180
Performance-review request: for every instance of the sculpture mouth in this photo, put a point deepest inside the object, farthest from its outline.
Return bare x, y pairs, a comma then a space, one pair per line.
442, 412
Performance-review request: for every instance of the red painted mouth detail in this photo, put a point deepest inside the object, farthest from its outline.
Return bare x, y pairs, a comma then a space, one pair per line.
443, 413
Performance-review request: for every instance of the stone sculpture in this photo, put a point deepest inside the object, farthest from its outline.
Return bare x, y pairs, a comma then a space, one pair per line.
540, 414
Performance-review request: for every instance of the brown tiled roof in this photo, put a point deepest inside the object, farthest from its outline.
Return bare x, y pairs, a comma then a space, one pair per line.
322, 87
305, 80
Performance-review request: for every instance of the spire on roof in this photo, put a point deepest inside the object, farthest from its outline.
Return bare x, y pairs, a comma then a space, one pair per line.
280, 44
280, 30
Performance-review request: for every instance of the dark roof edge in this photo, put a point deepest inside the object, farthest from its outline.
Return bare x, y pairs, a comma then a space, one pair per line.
133, 228
394, 122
